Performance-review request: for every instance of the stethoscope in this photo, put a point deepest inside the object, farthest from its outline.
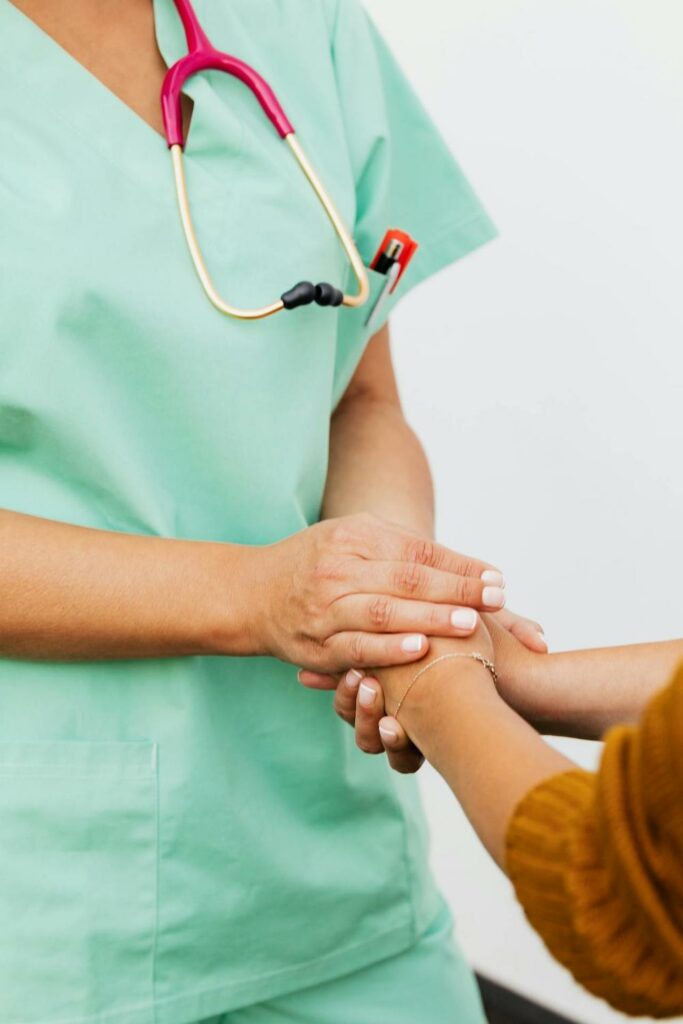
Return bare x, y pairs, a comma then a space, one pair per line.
202, 56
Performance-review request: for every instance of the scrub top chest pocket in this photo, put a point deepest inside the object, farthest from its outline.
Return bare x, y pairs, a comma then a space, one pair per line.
77, 879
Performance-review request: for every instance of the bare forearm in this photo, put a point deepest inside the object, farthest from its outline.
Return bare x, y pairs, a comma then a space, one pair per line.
72, 593
378, 465
584, 693
452, 720
486, 753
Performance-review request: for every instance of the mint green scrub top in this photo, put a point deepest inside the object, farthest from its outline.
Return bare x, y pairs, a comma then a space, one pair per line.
181, 837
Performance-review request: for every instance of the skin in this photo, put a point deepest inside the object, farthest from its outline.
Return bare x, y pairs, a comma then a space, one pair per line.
365, 587
116, 43
453, 710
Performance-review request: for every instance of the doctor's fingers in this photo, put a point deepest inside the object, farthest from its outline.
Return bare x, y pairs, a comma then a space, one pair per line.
369, 712
386, 541
370, 650
376, 733
380, 613
421, 583
404, 757
346, 695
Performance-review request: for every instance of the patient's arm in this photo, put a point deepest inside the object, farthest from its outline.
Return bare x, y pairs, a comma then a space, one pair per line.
578, 693
594, 858
581, 693
489, 756
486, 753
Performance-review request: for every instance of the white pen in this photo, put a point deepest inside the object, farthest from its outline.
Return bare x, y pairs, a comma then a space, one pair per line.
392, 277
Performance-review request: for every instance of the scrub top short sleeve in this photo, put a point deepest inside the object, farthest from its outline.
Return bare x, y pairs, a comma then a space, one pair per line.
405, 174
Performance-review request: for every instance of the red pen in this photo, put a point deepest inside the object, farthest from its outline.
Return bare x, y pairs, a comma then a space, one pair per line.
392, 259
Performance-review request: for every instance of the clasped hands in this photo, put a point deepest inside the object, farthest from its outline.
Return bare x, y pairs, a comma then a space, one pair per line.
368, 702
360, 592
363, 594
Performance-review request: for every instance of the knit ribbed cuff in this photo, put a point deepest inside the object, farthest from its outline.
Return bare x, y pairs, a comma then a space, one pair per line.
556, 863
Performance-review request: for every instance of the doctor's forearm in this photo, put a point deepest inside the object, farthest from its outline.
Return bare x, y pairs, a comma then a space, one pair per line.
378, 465
70, 593
75, 593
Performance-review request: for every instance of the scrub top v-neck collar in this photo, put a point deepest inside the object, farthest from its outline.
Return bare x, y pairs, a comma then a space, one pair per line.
70, 93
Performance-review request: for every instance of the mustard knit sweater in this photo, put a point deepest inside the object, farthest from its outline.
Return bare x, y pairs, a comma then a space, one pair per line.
597, 863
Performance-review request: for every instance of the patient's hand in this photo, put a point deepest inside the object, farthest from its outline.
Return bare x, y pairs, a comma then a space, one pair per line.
520, 671
367, 703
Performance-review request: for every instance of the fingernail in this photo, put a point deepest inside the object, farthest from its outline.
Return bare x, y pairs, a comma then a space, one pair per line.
304, 675
353, 677
542, 638
493, 577
366, 695
464, 618
493, 597
412, 644
388, 734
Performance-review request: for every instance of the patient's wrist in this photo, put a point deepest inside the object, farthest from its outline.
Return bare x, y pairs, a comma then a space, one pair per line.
557, 699
523, 680
543, 692
429, 712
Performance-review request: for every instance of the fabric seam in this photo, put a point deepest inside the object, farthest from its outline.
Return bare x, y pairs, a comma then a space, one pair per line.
156, 1005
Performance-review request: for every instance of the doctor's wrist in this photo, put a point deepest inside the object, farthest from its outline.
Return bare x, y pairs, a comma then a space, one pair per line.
231, 613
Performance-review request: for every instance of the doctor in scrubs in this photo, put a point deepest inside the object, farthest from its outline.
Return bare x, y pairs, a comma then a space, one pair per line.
194, 508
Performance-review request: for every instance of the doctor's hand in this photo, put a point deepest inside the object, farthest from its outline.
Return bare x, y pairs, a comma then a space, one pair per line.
364, 592
515, 638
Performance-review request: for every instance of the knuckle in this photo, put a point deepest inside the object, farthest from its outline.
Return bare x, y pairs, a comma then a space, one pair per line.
350, 531
421, 550
436, 617
326, 570
381, 612
410, 579
465, 592
357, 649
317, 625
342, 532
367, 528
345, 713
326, 658
468, 567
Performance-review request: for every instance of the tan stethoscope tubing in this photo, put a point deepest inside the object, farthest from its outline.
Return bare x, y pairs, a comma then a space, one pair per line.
305, 292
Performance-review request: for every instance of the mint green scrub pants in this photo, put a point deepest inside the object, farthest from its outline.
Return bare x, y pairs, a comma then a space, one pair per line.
427, 984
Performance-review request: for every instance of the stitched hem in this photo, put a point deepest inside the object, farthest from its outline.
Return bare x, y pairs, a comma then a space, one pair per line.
200, 1004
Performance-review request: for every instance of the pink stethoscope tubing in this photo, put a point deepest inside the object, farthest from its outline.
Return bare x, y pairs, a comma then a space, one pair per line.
203, 56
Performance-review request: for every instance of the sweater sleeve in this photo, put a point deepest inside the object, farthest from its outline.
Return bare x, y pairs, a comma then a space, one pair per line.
597, 863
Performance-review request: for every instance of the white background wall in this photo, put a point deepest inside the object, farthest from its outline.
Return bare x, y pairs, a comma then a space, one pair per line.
550, 395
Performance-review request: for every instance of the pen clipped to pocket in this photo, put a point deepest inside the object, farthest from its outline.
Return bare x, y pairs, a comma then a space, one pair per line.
391, 260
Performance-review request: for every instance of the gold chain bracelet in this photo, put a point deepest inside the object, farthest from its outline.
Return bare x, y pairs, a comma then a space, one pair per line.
473, 656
